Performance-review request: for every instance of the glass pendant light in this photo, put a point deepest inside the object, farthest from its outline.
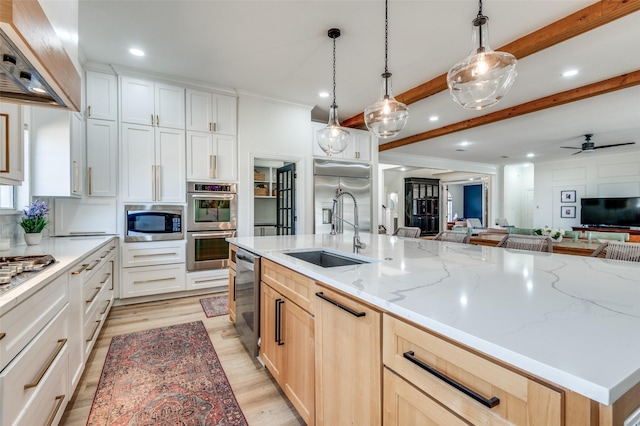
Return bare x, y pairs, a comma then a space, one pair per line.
485, 76
386, 117
333, 139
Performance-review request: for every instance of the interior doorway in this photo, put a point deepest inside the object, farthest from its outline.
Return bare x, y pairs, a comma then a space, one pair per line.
274, 208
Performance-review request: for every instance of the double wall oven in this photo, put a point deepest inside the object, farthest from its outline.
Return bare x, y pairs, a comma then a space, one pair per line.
212, 214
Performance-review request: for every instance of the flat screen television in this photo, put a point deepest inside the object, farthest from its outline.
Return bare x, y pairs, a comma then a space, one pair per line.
620, 211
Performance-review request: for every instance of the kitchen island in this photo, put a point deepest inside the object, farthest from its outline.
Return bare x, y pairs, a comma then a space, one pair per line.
569, 321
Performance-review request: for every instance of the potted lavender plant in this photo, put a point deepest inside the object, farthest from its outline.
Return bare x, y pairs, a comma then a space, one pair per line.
34, 221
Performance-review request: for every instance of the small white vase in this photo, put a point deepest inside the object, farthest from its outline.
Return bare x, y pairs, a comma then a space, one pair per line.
33, 239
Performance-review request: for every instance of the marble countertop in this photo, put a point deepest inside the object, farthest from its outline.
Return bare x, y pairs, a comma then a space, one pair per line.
66, 250
571, 320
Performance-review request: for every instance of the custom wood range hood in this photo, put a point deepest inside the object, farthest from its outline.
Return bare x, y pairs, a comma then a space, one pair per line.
34, 59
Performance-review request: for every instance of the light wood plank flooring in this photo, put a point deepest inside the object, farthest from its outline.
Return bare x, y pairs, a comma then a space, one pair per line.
261, 400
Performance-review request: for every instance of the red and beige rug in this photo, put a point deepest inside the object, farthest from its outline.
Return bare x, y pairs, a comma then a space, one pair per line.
165, 376
215, 306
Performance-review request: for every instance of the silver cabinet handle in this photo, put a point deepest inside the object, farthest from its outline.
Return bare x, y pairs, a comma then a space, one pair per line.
158, 120
215, 166
152, 119
211, 166
210, 126
215, 127
89, 111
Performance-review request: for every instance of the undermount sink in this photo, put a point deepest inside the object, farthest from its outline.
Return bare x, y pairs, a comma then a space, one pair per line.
326, 259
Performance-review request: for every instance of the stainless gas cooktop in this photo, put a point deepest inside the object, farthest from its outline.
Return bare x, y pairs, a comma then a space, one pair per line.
14, 270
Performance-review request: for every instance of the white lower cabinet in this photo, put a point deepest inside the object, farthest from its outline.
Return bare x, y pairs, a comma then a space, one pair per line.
46, 337
208, 279
150, 280
30, 384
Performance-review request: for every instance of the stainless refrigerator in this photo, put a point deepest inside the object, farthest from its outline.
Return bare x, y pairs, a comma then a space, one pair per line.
328, 177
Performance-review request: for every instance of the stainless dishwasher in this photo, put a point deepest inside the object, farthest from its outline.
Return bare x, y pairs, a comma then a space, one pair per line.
247, 295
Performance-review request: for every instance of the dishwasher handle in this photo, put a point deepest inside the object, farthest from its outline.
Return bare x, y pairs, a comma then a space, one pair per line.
246, 258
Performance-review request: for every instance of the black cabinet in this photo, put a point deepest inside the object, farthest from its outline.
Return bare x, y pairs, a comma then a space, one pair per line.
422, 204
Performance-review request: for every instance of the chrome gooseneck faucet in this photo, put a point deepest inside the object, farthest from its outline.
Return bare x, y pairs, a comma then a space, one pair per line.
357, 244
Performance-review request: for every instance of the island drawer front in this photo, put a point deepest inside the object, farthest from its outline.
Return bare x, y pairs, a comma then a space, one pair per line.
294, 286
522, 401
33, 370
23, 322
406, 405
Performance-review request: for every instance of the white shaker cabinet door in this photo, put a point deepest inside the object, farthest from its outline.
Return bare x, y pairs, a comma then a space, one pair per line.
102, 96
102, 157
225, 114
137, 101
170, 166
199, 156
169, 106
225, 161
138, 163
199, 110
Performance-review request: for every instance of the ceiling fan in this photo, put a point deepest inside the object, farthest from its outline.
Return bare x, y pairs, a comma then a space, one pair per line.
588, 146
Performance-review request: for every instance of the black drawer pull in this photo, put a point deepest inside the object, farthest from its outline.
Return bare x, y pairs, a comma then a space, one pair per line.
410, 355
279, 303
345, 308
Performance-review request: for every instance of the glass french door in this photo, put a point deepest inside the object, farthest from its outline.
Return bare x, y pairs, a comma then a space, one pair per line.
286, 200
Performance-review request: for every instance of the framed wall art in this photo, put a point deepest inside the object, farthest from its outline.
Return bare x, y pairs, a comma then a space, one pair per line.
568, 212
568, 196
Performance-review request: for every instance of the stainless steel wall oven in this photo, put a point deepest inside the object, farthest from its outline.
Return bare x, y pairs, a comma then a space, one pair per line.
211, 218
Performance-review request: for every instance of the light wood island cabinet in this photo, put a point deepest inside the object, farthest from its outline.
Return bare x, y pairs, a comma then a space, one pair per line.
287, 334
344, 360
348, 361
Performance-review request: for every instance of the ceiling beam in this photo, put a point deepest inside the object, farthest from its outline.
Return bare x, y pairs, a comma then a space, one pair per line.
620, 82
577, 23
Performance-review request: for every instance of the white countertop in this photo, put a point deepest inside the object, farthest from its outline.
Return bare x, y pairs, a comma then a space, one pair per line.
66, 250
571, 320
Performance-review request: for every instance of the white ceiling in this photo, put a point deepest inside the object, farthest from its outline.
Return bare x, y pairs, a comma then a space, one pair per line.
281, 49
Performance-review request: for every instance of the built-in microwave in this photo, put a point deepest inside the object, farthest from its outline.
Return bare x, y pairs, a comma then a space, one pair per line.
153, 222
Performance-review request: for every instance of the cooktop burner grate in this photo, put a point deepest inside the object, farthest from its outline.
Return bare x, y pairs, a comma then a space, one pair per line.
15, 270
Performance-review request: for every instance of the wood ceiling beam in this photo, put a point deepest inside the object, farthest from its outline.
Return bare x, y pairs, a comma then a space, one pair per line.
620, 82
598, 14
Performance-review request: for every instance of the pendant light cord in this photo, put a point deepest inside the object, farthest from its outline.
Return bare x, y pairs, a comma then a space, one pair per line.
386, 35
479, 22
479, 8
334, 74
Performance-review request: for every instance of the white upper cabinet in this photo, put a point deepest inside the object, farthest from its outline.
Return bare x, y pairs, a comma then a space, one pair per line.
102, 96
211, 157
152, 104
211, 112
57, 147
152, 164
359, 147
102, 158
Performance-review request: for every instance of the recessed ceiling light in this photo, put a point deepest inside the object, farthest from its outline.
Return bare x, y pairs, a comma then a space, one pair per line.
323, 94
136, 52
433, 118
465, 143
570, 73
530, 155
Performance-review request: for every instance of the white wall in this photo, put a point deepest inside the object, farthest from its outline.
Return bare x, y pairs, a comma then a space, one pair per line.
518, 195
271, 129
615, 175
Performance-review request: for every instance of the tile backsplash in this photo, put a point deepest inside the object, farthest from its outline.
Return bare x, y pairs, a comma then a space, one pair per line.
10, 229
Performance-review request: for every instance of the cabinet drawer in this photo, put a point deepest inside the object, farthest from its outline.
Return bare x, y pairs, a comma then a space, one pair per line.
22, 323
294, 286
150, 280
95, 286
39, 363
521, 400
404, 405
153, 253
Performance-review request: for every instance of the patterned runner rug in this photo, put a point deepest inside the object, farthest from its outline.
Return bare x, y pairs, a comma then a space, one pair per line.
165, 376
215, 306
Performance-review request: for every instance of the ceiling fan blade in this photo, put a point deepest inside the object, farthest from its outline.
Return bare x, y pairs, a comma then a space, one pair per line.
571, 147
615, 144
576, 153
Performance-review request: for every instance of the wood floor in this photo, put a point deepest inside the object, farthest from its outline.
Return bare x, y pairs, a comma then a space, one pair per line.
259, 397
